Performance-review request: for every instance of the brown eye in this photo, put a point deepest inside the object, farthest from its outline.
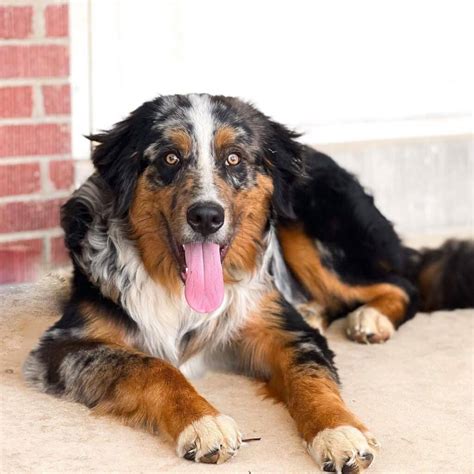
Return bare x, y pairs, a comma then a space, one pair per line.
171, 159
232, 160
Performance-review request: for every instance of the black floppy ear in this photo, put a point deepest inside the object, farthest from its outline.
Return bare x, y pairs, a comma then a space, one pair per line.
283, 158
118, 156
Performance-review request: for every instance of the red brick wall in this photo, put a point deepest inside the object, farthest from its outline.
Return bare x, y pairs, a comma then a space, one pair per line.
36, 169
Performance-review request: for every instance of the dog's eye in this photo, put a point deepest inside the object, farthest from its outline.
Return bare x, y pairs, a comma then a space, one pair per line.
232, 160
171, 159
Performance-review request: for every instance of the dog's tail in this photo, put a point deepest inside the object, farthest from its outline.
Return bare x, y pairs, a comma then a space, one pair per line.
444, 276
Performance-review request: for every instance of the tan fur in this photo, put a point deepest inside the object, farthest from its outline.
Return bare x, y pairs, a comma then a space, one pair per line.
327, 288
156, 395
101, 328
181, 139
150, 215
152, 212
223, 138
251, 209
316, 404
428, 280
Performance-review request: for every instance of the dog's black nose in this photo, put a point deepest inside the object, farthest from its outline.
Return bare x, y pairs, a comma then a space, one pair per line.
206, 217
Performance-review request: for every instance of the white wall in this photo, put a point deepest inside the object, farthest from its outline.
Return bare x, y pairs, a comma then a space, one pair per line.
423, 185
312, 64
340, 71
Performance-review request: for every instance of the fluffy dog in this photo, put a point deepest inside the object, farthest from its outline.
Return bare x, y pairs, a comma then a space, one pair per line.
203, 227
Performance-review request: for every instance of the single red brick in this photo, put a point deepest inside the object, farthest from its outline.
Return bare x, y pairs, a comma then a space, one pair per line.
56, 20
19, 179
29, 215
16, 102
57, 99
42, 139
34, 61
59, 253
15, 22
61, 173
20, 260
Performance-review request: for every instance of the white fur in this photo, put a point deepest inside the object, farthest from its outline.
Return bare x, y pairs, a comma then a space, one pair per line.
283, 279
200, 115
210, 433
196, 366
344, 445
367, 321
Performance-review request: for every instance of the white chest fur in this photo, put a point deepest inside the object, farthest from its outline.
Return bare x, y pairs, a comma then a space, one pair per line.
164, 321
113, 263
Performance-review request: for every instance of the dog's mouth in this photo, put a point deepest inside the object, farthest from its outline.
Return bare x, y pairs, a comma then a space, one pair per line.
200, 269
180, 256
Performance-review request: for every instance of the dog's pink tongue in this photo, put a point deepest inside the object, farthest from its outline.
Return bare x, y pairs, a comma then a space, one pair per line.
204, 285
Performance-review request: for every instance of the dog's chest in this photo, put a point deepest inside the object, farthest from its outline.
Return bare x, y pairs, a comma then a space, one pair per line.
169, 329
166, 326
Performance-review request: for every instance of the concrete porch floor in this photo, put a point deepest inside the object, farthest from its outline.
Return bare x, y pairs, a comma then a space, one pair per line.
415, 393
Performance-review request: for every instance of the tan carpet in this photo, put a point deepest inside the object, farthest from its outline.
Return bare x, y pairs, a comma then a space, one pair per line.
415, 393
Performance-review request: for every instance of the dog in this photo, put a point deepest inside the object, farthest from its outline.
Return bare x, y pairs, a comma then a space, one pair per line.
210, 237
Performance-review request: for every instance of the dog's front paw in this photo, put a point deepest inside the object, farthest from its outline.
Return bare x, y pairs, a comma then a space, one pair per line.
344, 449
211, 439
368, 325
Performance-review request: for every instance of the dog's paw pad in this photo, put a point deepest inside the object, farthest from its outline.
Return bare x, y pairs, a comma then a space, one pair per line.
211, 440
368, 325
344, 449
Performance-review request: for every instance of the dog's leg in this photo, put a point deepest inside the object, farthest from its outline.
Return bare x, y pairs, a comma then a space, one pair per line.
278, 346
140, 390
383, 306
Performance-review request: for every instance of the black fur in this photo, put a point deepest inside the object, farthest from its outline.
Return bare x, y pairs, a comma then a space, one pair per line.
363, 246
310, 346
118, 156
284, 157
336, 210
451, 283
76, 218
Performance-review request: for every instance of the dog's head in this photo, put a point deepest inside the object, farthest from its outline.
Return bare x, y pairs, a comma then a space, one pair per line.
198, 177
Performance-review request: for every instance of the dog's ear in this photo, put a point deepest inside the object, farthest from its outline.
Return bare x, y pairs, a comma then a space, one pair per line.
283, 159
118, 156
